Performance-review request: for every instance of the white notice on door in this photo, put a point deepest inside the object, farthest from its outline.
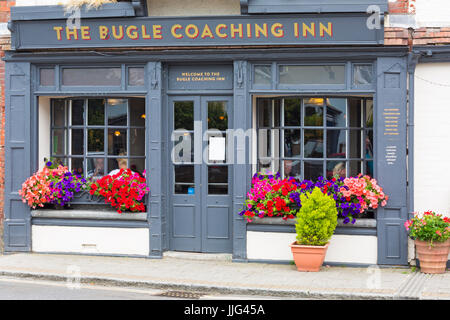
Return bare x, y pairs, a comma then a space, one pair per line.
216, 149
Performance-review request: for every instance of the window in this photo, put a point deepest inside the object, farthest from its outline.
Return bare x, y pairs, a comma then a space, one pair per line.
91, 77
98, 136
308, 137
312, 75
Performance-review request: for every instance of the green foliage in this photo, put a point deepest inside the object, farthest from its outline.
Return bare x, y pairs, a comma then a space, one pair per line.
316, 219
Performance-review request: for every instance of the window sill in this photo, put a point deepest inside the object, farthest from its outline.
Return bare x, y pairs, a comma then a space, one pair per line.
88, 214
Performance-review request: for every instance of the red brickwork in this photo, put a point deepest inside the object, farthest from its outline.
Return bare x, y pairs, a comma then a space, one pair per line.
399, 6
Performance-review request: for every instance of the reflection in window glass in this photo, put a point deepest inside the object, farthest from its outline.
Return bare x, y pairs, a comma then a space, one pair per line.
137, 112
362, 74
47, 77
96, 141
117, 142
183, 150
96, 112
313, 147
355, 143
136, 76
292, 107
313, 170
369, 113
95, 167
264, 112
336, 168
263, 75
117, 112
137, 165
59, 113
336, 112
217, 179
184, 115
292, 147
313, 112
59, 142
264, 146
77, 166
91, 77
355, 111
325, 74
137, 142
354, 168
184, 179
77, 112
217, 115
292, 168
336, 143
77, 141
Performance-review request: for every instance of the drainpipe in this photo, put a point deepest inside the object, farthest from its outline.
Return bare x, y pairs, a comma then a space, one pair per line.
413, 58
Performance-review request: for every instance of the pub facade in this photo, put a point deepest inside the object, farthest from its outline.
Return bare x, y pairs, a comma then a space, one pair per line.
200, 103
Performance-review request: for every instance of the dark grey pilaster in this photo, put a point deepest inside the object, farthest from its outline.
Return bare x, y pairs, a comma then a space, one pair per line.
18, 167
154, 160
241, 171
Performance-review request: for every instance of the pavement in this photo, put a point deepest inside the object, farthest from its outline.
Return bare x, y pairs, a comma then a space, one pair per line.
206, 275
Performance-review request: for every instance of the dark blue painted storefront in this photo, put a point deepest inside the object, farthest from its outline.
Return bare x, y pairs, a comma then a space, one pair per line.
388, 89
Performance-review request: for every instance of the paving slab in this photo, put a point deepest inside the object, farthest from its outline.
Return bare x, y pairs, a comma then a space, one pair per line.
224, 276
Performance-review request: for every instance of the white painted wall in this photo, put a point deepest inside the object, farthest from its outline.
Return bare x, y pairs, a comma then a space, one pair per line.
432, 138
44, 130
342, 249
90, 240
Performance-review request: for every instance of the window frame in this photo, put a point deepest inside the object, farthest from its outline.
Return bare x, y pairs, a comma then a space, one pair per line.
363, 129
68, 127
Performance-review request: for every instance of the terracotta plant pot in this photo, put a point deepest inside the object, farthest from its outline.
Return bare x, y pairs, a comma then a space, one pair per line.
308, 258
433, 259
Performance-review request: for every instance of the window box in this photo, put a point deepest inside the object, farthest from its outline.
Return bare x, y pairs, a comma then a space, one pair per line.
360, 223
88, 214
108, 10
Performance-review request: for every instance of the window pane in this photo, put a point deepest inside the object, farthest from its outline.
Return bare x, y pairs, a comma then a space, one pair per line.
263, 75
265, 166
362, 74
117, 141
47, 77
292, 143
95, 167
137, 142
92, 77
292, 168
368, 168
355, 144
137, 165
184, 179
59, 142
264, 112
115, 164
326, 74
77, 112
77, 165
313, 112
355, 111
96, 141
292, 107
354, 168
368, 141
217, 115
264, 143
336, 142
217, 179
369, 113
336, 112
336, 168
313, 170
183, 150
96, 112
184, 115
313, 143
137, 112
77, 141
59, 113
276, 113
136, 76
117, 112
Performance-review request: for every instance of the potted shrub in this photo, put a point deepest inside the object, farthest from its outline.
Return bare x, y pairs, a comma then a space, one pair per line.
316, 222
431, 234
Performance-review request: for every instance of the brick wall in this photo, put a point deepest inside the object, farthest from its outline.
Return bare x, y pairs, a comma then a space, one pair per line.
4, 44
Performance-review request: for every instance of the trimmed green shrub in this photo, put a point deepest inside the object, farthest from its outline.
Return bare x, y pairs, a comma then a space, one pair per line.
316, 219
